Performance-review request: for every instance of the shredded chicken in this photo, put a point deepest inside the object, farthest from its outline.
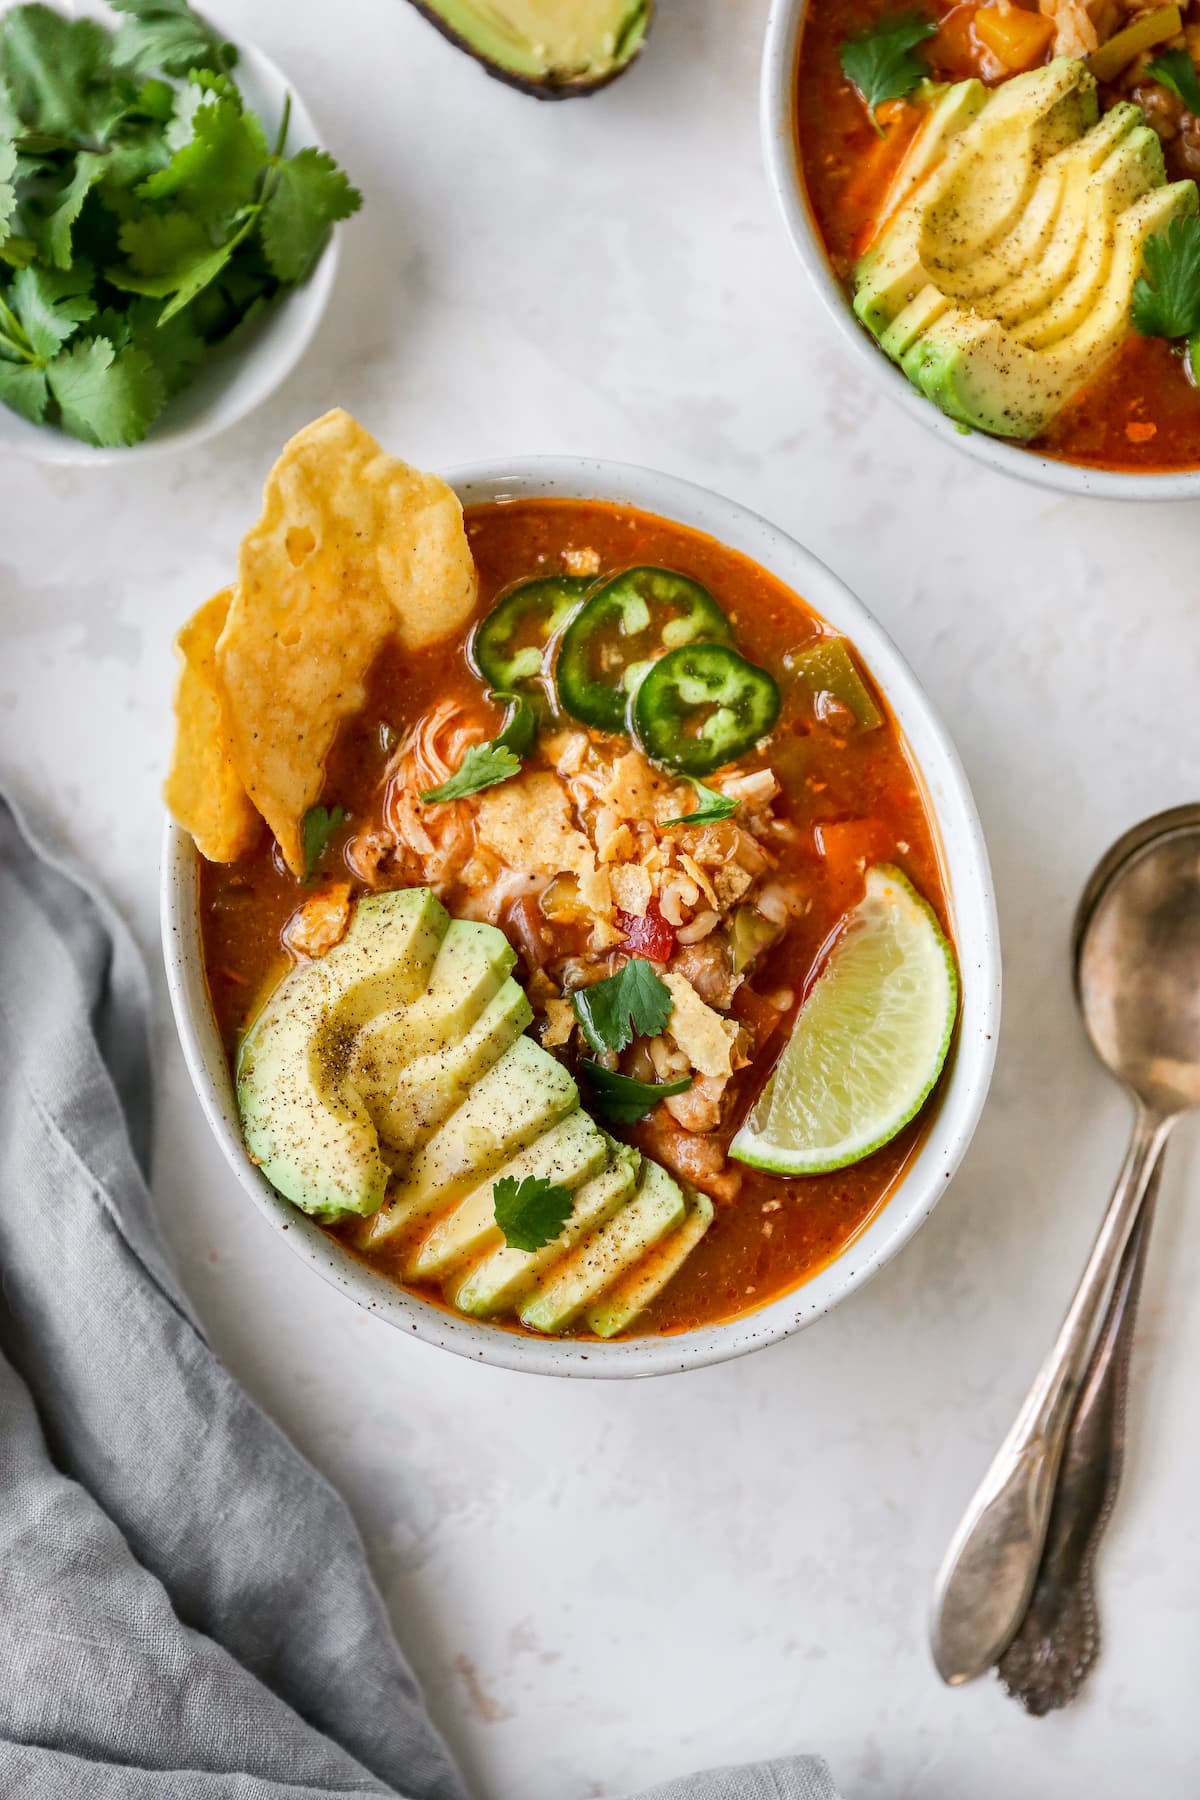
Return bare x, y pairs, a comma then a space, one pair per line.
321, 922
697, 1157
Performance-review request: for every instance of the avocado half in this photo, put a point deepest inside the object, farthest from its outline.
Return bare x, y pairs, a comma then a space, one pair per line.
552, 49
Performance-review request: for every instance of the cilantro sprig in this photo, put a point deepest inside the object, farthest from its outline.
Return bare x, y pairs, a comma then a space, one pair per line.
882, 62
531, 1212
711, 807
1175, 70
320, 823
144, 216
486, 764
633, 1002
1166, 297
623, 1100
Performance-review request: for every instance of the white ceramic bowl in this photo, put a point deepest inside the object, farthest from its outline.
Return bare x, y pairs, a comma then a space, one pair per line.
974, 919
778, 120
240, 375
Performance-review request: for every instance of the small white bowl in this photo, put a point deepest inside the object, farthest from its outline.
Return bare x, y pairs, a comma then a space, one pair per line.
780, 150
238, 376
969, 886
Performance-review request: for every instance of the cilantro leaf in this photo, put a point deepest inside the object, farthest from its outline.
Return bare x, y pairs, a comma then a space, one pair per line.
483, 766
1175, 70
23, 387
1166, 298
623, 1100
310, 194
53, 70
711, 807
531, 1212
168, 35
319, 826
90, 168
216, 173
116, 174
164, 243
633, 1002
105, 396
51, 306
882, 63
8, 192
188, 278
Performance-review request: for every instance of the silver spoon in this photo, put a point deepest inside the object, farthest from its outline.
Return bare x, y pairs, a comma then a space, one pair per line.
1138, 983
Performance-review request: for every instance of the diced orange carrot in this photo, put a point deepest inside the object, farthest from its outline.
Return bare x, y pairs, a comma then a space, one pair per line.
1019, 39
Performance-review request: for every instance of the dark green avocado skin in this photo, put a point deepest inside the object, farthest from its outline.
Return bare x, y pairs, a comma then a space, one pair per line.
538, 90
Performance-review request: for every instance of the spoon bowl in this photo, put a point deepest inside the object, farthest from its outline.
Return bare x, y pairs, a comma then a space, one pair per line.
1138, 963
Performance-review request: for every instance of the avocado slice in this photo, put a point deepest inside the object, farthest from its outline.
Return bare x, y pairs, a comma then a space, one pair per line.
1004, 279
569, 1153
647, 1279
420, 1094
497, 1281
1043, 249
303, 1120
979, 189
606, 1255
986, 377
553, 49
414, 1064
1136, 167
521, 1096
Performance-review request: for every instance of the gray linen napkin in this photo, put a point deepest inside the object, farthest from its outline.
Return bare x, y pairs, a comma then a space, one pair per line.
185, 1604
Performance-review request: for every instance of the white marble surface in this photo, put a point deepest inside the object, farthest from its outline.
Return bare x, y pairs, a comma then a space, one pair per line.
605, 1584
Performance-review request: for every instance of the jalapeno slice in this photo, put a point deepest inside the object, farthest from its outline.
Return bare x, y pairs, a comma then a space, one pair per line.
509, 645
610, 642
702, 706
520, 723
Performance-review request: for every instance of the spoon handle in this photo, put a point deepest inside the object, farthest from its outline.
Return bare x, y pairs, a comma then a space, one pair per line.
986, 1580
1059, 1639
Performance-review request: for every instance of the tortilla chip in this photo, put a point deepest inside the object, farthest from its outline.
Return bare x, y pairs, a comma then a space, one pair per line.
527, 824
204, 791
704, 1036
353, 548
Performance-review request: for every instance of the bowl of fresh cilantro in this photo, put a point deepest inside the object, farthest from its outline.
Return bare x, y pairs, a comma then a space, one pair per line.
167, 220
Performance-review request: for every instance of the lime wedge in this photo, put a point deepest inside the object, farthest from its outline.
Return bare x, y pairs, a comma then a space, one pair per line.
868, 1044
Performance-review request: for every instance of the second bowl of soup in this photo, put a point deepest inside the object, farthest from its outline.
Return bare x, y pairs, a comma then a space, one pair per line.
629, 993
998, 203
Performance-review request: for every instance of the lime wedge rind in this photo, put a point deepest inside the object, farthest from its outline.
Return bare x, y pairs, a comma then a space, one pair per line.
869, 1043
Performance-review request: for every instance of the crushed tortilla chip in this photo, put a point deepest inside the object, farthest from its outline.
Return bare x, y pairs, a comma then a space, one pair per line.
560, 1023
353, 547
203, 789
631, 888
705, 1038
526, 822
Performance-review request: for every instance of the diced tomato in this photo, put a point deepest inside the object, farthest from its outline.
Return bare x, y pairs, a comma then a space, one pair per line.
649, 936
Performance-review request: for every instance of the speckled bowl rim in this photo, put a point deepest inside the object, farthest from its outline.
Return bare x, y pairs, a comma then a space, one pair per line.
777, 103
969, 885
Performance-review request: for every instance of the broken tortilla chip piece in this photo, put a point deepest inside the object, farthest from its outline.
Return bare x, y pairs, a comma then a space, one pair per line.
527, 823
353, 548
203, 788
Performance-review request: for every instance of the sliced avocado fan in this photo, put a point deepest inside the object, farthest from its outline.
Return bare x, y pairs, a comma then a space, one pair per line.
392, 1079
1015, 232
553, 49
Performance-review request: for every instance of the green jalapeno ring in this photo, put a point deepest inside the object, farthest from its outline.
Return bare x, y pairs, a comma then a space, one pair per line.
541, 606
520, 722
611, 641
702, 706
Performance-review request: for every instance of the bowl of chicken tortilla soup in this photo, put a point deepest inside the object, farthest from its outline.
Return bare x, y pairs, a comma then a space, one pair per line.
577, 921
